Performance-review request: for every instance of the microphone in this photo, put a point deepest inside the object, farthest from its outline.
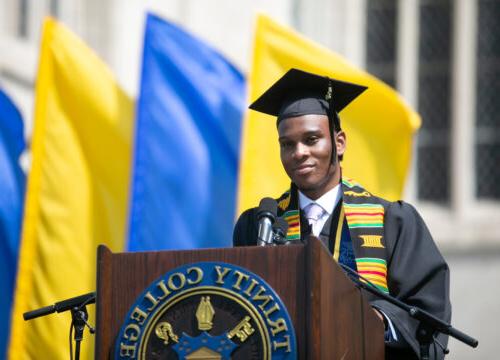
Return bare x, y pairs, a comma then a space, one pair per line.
68, 304
266, 214
280, 229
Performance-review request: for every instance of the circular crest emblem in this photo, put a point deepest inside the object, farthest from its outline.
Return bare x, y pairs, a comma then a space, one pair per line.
207, 310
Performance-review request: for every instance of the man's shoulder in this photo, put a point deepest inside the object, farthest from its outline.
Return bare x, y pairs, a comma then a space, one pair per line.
245, 229
249, 213
355, 193
283, 202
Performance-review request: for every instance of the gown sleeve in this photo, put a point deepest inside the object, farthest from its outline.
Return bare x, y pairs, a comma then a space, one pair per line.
246, 230
417, 275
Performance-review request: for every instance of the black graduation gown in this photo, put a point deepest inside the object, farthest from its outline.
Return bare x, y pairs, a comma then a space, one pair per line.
417, 273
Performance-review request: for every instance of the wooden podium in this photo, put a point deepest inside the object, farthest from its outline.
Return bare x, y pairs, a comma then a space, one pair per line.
331, 318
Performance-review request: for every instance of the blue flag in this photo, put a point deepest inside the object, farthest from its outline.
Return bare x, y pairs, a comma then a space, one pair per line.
12, 182
187, 141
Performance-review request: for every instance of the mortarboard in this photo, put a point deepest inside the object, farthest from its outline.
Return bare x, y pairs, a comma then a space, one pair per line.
302, 93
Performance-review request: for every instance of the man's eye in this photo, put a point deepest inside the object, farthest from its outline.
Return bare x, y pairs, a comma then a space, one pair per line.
286, 144
312, 140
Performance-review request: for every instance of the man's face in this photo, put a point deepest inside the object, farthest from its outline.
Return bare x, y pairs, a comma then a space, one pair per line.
305, 149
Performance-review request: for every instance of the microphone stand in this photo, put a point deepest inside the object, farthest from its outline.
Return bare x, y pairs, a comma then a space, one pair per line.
429, 324
79, 316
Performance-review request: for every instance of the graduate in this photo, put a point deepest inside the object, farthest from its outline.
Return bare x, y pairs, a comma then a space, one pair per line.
386, 242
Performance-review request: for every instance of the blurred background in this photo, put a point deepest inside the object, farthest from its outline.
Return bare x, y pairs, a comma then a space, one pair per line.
442, 56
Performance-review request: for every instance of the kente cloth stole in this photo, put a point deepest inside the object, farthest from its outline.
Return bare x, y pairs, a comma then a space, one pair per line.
363, 214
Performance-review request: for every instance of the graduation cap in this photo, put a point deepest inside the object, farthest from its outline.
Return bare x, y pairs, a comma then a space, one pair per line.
302, 93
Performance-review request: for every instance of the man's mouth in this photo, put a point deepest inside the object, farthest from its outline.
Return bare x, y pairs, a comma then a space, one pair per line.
304, 169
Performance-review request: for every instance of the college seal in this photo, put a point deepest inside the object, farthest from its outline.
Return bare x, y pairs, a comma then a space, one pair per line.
207, 310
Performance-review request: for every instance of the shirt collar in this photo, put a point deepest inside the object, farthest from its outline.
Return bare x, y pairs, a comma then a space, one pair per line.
327, 201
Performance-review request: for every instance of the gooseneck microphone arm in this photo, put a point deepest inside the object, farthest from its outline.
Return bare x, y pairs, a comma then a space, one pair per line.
280, 229
61, 306
429, 324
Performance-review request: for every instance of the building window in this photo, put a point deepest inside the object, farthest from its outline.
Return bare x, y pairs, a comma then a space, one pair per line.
381, 39
23, 19
487, 139
434, 100
26, 17
54, 8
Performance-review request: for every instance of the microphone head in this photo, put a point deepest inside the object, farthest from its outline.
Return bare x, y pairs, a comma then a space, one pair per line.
268, 207
280, 227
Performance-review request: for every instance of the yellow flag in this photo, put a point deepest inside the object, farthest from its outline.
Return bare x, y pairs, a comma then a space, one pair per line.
77, 189
379, 125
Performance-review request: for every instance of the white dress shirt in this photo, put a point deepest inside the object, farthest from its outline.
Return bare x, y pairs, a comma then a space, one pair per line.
327, 201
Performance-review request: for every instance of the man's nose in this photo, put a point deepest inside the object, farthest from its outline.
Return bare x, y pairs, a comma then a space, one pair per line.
301, 151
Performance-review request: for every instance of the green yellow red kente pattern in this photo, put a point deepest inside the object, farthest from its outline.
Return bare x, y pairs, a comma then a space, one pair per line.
364, 215
292, 217
374, 270
350, 183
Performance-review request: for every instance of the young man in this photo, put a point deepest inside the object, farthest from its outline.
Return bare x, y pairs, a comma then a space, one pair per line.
387, 242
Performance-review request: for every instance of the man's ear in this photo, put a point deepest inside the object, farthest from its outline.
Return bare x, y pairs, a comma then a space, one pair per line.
340, 143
